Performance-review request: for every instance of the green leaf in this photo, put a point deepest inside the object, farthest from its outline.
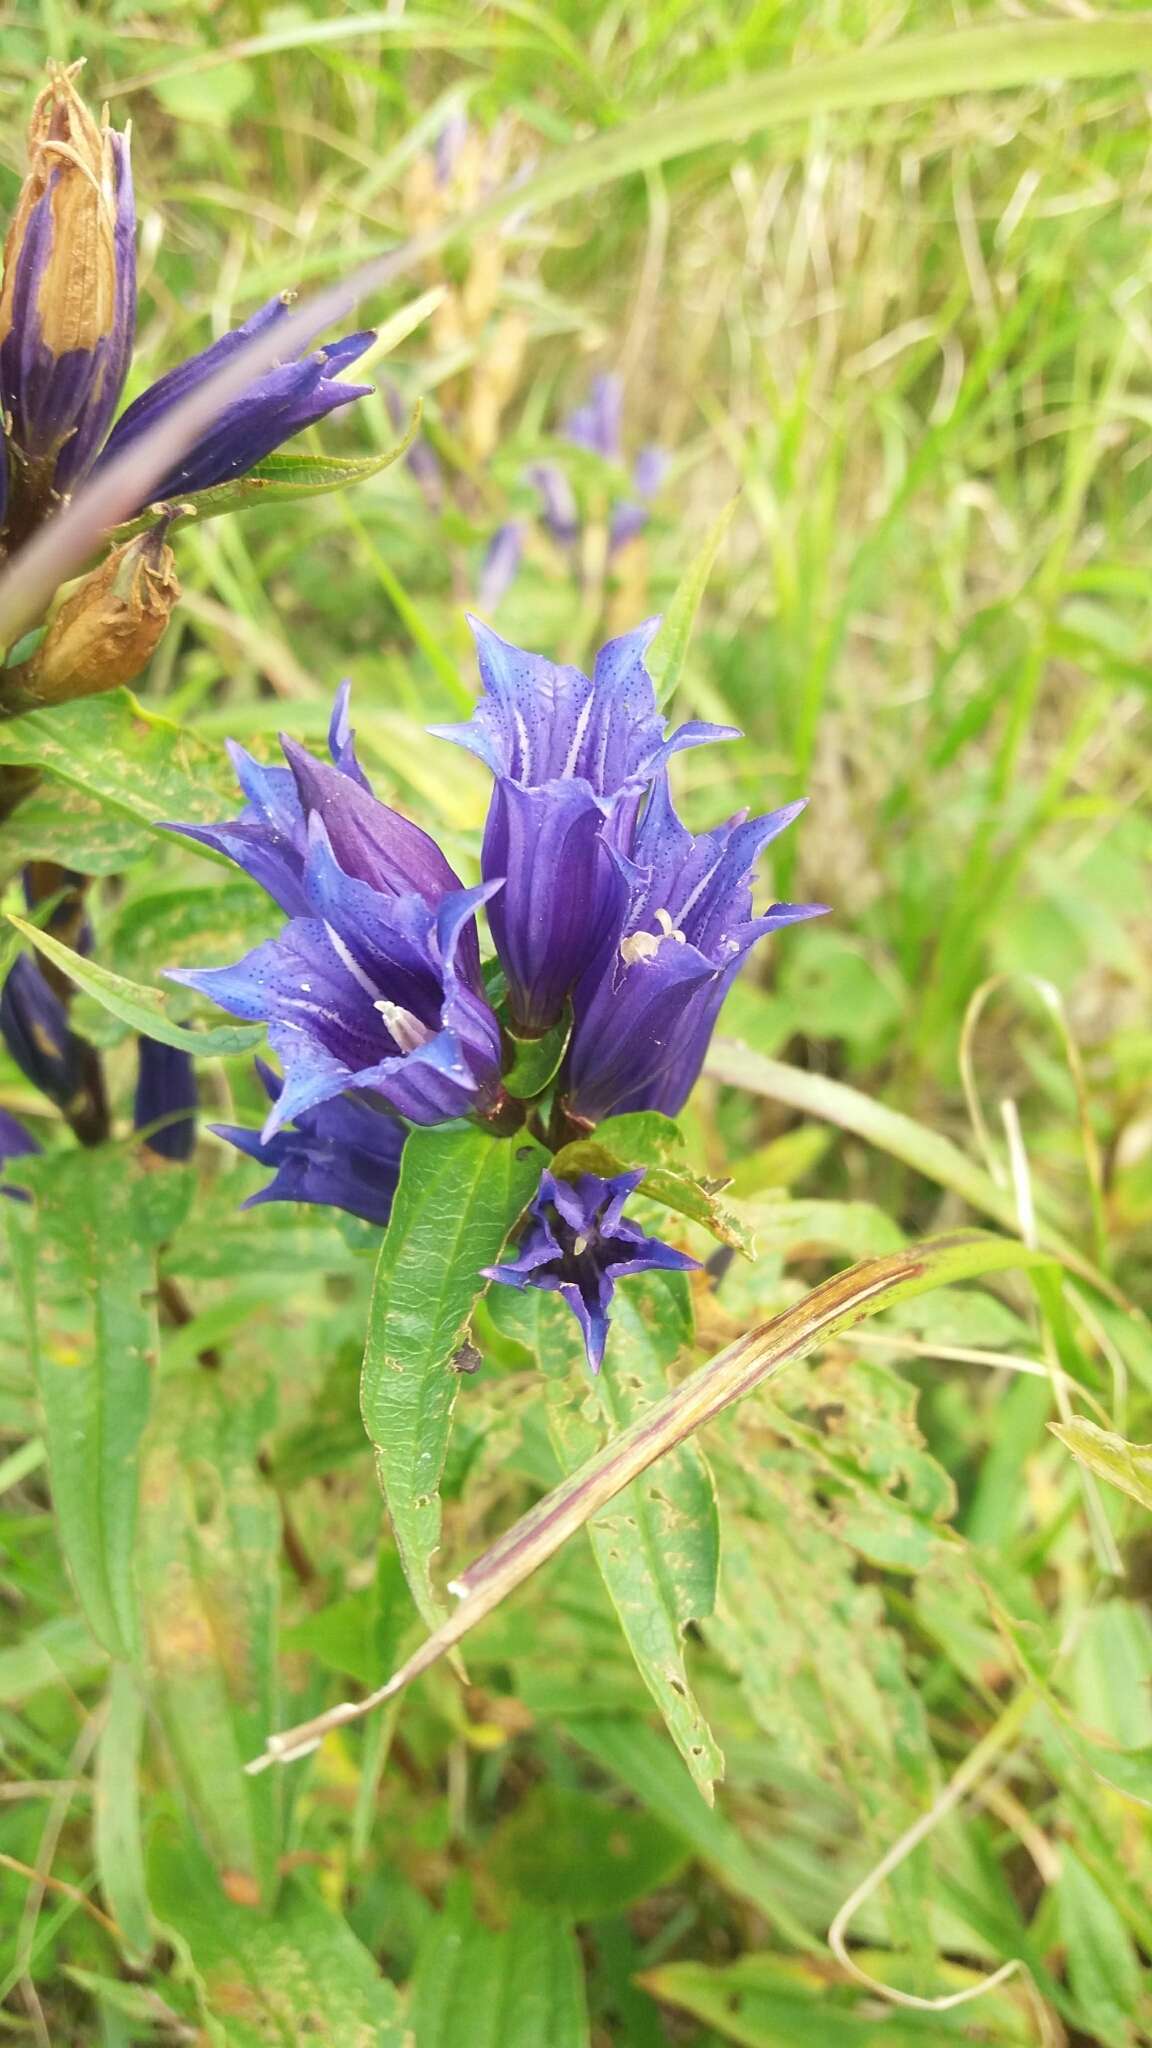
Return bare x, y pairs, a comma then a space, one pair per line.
118, 1842
460, 1192
90, 1308
267, 1981
780, 2001
632, 1752
209, 1571
73, 828
1128, 1466
129, 758
667, 654
581, 1855
516, 1987
143, 1008
645, 1138
280, 480
1106, 1978
656, 1546
535, 1061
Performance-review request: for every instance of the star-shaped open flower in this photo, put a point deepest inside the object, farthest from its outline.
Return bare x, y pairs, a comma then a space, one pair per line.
578, 1243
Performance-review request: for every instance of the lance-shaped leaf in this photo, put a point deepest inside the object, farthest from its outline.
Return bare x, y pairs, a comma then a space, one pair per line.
210, 1544
86, 1270
460, 1192
118, 1839
515, 1987
279, 480
669, 650
836, 1305
645, 1138
145, 1009
1111, 1457
657, 1544
265, 1980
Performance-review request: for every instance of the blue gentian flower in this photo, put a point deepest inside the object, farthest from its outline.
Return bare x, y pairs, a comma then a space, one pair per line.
67, 326
601, 903
643, 1020
15, 1143
597, 427
269, 839
280, 403
166, 1099
374, 983
578, 1243
501, 562
572, 756
343, 1155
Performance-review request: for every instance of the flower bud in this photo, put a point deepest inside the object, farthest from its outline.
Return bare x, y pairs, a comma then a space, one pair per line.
67, 303
165, 1105
35, 1030
105, 632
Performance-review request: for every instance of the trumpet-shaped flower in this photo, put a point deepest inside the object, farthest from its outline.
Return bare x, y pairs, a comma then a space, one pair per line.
572, 755
374, 983
343, 1155
578, 1243
643, 1020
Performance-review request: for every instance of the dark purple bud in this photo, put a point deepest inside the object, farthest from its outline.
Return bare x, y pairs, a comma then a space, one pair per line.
34, 1026
343, 1155
449, 144
280, 403
421, 459
578, 1243
165, 1107
15, 1143
501, 562
595, 425
558, 502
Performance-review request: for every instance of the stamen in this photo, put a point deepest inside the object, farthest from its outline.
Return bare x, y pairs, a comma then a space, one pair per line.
405, 1028
579, 1244
646, 945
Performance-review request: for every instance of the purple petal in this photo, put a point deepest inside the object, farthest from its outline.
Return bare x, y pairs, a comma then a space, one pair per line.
564, 899
165, 1089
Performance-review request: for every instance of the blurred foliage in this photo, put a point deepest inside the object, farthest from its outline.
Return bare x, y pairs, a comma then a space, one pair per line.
911, 341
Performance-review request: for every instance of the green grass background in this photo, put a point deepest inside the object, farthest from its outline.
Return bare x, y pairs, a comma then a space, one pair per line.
911, 346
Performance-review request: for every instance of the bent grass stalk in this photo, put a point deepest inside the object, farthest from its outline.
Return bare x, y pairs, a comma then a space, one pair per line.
831, 1308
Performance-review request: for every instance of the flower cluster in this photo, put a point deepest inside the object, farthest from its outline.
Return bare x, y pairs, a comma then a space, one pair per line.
615, 929
596, 428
